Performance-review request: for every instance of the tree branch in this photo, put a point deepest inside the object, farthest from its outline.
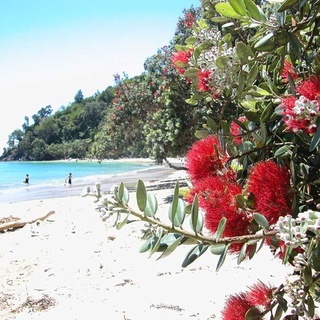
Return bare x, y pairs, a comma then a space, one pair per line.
207, 240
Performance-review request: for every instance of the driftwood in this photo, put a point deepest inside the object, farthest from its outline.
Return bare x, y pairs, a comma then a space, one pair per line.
179, 167
18, 223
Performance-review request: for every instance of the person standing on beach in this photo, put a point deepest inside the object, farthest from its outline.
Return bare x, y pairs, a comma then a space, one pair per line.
26, 179
69, 179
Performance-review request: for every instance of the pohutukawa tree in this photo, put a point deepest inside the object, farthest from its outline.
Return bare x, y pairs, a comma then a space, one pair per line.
254, 177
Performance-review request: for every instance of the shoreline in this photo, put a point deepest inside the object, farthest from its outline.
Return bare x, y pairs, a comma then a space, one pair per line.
38, 192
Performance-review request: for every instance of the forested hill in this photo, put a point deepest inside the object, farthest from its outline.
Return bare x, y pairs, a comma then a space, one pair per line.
144, 116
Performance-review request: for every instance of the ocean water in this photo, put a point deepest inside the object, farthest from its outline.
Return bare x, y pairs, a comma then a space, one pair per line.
51, 173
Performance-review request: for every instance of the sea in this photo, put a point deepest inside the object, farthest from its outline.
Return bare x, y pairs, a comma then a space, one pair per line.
47, 178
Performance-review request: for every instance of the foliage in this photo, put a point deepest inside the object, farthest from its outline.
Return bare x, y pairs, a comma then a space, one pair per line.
121, 132
254, 173
59, 136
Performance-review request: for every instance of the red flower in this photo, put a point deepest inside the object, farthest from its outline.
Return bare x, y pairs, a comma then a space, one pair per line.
203, 80
180, 60
217, 197
301, 114
260, 295
310, 88
270, 186
236, 131
288, 70
206, 158
189, 20
236, 307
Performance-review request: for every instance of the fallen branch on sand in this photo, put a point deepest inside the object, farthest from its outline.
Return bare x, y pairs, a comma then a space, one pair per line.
21, 223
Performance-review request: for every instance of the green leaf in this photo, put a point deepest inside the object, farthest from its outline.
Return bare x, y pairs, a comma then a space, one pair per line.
315, 139
262, 92
287, 254
287, 5
253, 9
171, 248
225, 128
295, 46
263, 40
120, 191
194, 254
265, 44
264, 133
200, 134
238, 6
217, 248
241, 82
222, 62
174, 204
252, 76
252, 248
242, 253
219, 19
141, 195
315, 258
192, 73
151, 205
180, 213
194, 213
261, 220
191, 40
178, 216
196, 53
226, 10
222, 257
311, 306
282, 302
121, 224
253, 314
307, 275
146, 245
227, 38
281, 38
252, 116
278, 313
267, 112
125, 196
243, 52
155, 244
221, 227
282, 152
212, 125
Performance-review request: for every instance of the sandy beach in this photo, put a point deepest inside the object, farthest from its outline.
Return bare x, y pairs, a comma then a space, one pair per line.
74, 266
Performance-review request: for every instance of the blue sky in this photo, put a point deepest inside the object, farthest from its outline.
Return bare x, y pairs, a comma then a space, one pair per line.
51, 49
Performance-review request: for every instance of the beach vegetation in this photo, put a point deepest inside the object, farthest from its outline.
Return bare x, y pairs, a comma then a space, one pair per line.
253, 170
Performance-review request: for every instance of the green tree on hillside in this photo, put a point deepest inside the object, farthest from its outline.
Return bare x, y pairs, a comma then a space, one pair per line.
78, 98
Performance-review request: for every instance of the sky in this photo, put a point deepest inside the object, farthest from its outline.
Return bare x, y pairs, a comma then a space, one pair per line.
51, 49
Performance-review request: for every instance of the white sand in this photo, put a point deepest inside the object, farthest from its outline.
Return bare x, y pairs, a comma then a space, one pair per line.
91, 271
